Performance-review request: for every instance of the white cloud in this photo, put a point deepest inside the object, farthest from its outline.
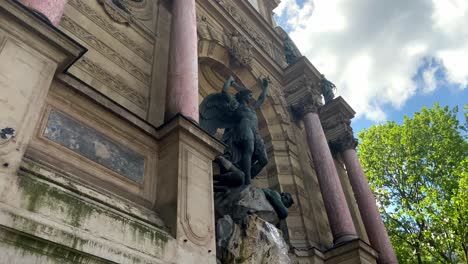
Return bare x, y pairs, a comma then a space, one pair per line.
372, 50
429, 79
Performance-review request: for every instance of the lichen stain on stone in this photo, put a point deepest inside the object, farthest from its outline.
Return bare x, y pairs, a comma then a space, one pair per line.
33, 246
40, 195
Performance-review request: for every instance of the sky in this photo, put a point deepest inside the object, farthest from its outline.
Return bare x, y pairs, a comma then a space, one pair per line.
387, 58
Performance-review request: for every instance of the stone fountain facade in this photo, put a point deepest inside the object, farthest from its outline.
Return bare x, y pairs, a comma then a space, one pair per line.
103, 160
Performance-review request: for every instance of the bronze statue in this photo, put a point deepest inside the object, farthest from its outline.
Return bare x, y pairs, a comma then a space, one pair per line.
327, 88
279, 201
245, 148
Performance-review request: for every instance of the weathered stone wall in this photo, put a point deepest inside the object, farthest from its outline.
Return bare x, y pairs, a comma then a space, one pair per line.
92, 186
121, 43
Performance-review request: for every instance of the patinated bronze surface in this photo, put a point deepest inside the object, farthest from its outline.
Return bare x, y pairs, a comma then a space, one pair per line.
245, 148
327, 88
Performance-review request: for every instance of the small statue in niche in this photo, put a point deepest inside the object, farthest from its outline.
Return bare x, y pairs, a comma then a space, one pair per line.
290, 51
328, 89
245, 148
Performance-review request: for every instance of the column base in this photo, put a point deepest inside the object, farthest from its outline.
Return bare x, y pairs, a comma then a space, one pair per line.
355, 251
344, 239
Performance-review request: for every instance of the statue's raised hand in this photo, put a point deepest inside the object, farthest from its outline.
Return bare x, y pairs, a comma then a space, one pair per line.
265, 82
230, 81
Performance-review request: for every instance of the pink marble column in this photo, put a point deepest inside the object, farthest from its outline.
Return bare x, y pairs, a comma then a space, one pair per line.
339, 216
370, 214
52, 9
182, 90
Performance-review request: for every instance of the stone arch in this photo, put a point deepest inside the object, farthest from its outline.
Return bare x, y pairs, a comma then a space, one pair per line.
214, 68
283, 171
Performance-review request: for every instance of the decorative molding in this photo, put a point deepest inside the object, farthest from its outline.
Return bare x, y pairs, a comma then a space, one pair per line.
197, 229
345, 142
124, 11
113, 82
303, 97
68, 24
335, 121
304, 82
112, 30
279, 103
244, 23
206, 31
240, 50
335, 117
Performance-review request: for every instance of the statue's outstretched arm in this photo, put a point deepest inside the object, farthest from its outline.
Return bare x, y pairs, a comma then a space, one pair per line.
261, 98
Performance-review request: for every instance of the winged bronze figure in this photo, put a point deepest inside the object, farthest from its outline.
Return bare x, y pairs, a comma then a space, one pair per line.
245, 155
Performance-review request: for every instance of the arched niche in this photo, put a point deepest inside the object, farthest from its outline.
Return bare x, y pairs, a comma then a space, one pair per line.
214, 70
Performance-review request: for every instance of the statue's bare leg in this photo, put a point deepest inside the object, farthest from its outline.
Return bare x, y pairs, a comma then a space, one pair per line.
246, 161
260, 157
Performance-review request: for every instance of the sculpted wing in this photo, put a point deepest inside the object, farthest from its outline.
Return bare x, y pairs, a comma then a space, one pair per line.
217, 111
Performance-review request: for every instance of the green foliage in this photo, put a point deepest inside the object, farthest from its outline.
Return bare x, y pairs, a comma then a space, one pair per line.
418, 172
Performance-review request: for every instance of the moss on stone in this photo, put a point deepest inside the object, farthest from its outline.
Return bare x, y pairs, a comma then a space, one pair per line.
40, 195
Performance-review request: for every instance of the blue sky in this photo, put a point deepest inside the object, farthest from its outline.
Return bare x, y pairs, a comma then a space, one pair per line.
387, 58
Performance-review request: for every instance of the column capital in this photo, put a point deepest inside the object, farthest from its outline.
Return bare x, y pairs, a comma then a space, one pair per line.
345, 142
336, 122
302, 88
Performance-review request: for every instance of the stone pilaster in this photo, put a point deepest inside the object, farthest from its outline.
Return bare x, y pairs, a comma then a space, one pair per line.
185, 188
31, 52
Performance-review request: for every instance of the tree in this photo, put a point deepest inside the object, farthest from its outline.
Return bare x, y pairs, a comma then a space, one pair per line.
418, 172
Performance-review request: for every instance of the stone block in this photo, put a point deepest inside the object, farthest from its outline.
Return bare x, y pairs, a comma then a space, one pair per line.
352, 252
185, 188
28, 47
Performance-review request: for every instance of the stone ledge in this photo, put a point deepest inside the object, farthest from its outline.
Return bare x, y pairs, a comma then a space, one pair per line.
29, 249
23, 23
48, 212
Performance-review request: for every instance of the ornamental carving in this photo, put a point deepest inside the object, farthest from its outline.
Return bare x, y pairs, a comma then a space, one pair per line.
113, 82
303, 97
246, 25
305, 83
122, 37
240, 50
307, 105
104, 49
336, 121
206, 31
344, 142
123, 11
